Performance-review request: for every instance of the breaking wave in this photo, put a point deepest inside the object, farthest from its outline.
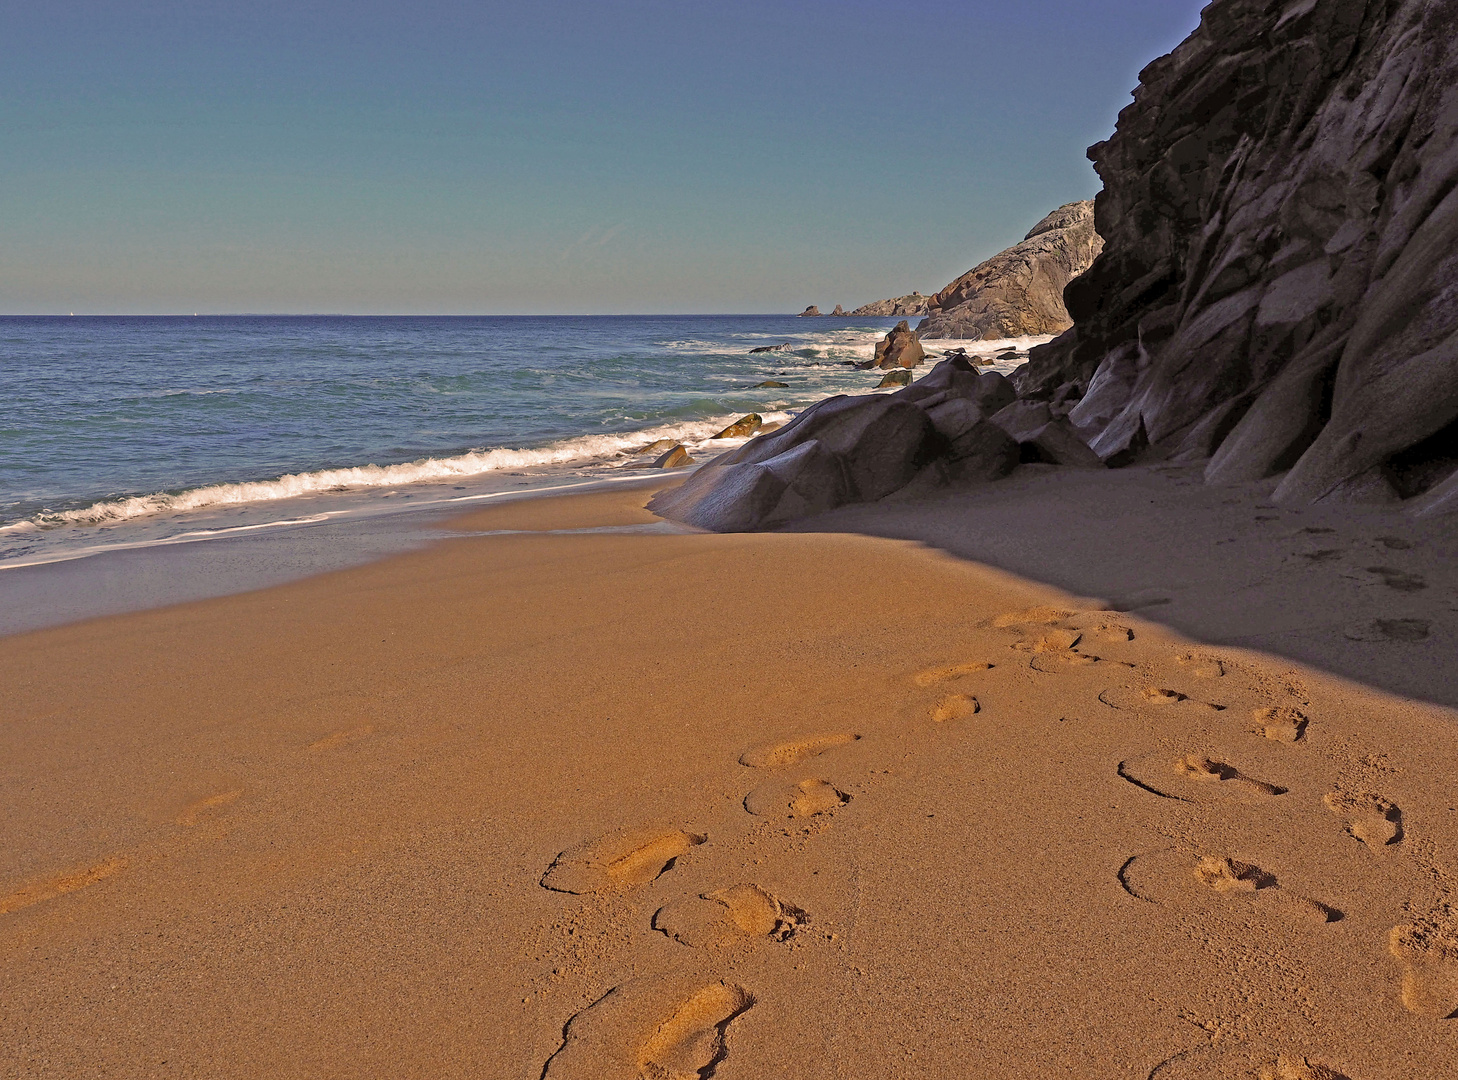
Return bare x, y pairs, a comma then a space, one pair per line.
581, 450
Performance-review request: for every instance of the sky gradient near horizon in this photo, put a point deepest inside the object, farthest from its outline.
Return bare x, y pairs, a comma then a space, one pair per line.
572, 157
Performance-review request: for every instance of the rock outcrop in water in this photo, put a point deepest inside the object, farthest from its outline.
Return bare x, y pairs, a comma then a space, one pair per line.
810, 312
1279, 286
899, 348
1019, 292
911, 305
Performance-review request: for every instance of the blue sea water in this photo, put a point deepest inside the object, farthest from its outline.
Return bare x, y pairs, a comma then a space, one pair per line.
134, 429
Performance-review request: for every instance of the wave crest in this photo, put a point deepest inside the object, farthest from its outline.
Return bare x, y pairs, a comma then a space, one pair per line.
583, 448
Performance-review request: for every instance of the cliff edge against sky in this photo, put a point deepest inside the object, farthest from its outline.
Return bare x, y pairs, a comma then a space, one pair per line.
1279, 285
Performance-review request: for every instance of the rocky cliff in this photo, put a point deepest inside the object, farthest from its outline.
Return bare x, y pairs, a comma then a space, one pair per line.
1019, 292
913, 304
1279, 285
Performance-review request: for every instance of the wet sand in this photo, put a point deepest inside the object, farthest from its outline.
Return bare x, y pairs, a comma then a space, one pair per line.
641, 804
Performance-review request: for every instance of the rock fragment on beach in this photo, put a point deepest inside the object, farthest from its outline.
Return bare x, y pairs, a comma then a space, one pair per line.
676, 458
900, 348
895, 378
742, 428
658, 446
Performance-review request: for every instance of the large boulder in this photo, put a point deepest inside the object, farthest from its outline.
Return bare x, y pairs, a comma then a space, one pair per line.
1279, 285
1019, 292
865, 449
805, 479
900, 348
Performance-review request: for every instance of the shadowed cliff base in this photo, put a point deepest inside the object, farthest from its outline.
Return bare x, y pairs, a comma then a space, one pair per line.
1351, 590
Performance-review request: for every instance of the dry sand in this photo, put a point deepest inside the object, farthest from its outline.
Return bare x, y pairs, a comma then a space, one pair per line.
614, 804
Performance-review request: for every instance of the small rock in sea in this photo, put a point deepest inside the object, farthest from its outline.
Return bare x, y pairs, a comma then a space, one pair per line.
1008, 354
742, 428
771, 427
900, 348
783, 347
810, 311
676, 458
770, 384
895, 378
657, 447
839, 311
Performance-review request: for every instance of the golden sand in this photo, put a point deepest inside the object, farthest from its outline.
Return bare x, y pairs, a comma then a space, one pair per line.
774, 806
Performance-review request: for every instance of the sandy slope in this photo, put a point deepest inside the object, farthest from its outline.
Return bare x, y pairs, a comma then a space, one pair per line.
788, 805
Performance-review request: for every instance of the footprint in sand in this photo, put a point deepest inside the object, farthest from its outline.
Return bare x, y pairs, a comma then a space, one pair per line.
197, 811
1398, 580
1429, 959
1100, 629
804, 799
343, 738
1401, 630
1194, 778
1139, 699
672, 1028
1298, 1068
1167, 877
60, 884
619, 861
1202, 667
1242, 1060
1060, 663
932, 676
1038, 616
1280, 724
778, 755
1370, 818
1050, 641
955, 707
738, 914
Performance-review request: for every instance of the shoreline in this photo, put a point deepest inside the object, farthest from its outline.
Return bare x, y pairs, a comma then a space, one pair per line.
419, 816
160, 574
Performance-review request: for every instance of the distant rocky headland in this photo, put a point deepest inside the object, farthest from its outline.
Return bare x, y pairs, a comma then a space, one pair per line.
1268, 282
1016, 293
1019, 292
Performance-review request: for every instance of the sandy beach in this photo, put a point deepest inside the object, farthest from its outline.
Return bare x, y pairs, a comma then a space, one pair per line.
629, 802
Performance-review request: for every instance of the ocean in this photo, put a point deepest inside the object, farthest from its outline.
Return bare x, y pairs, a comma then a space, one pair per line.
118, 432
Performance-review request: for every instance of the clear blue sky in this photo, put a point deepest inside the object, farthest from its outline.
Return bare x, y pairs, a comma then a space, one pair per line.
607, 156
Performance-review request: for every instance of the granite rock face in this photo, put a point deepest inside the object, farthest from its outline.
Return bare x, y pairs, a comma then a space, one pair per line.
899, 348
912, 305
1019, 292
1279, 285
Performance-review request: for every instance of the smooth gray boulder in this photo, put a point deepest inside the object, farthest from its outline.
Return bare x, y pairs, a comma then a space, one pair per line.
981, 453
954, 416
860, 449
1023, 419
1058, 444
806, 479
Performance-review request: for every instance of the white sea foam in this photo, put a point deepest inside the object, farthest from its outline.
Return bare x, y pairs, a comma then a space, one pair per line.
582, 450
